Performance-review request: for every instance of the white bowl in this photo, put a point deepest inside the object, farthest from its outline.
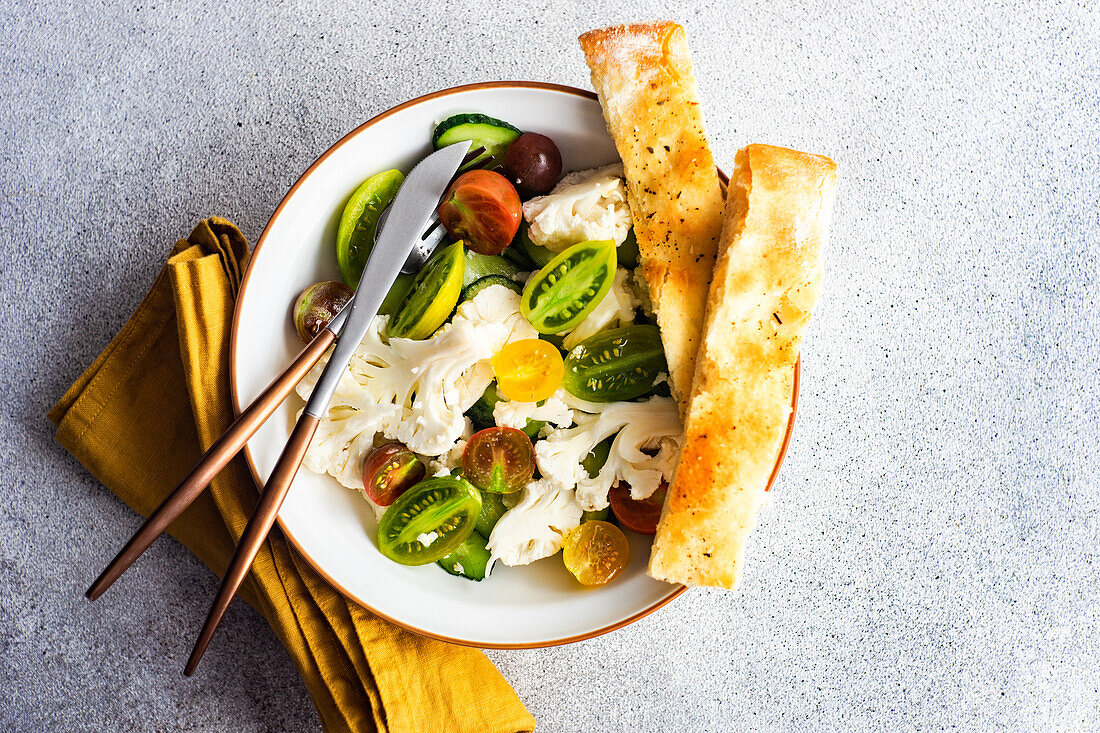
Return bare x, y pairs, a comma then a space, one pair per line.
333, 527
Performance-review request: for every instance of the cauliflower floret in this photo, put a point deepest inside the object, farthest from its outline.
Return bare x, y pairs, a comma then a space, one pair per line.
413, 391
343, 440
652, 424
441, 465
534, 528
617, 308
589, 204
553, 410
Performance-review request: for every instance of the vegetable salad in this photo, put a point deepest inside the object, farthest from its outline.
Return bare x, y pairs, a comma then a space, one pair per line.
509, 400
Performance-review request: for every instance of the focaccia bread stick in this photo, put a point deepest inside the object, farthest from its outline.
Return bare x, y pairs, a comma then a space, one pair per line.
766, 282
643, 76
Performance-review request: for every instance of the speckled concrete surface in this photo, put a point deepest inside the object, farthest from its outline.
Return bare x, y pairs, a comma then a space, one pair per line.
930, 559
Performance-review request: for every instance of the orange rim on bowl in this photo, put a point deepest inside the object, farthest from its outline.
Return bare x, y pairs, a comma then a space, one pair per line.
674, 591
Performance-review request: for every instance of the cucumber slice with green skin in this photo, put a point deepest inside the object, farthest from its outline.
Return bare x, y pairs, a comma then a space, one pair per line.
470, 560
400, 288
481, 130
481, 413
492, 509
569, 287
540, 256
433, 295
479, 266
616, 365
359, 223
480, 284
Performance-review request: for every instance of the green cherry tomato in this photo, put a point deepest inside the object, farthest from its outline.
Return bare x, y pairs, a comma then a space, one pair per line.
359, 223
492, 509
429, 521
569, 287
433, 295
396, 295
615, 365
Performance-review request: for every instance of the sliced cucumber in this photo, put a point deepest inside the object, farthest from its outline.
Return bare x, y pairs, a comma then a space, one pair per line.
492, 509
481, 130
488, 281
533, 427
470, 559
478, 266
515, 254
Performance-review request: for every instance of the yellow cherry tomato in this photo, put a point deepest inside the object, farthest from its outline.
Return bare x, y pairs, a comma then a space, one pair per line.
528, 370
595, 552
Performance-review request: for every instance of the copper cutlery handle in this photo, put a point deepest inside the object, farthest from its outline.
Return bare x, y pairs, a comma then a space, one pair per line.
255, 532
213, 461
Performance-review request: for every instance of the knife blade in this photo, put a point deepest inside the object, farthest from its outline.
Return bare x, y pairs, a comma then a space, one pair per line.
413, 206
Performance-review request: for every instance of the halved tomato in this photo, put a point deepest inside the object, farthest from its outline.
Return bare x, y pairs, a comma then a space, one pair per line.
389, 471
528, 370
595, 552
639, 516
500, 460
429, 521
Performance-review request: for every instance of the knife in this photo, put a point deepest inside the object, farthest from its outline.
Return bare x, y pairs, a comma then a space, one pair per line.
414, 205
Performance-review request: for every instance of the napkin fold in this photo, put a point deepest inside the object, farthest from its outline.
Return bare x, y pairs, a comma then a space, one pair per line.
142, 415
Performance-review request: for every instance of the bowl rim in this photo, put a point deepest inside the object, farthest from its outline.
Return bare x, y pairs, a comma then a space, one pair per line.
674, 592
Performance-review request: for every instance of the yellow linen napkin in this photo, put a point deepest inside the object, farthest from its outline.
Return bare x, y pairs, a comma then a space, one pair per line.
142, 415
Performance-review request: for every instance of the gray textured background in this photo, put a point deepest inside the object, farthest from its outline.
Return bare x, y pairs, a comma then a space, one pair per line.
930, 559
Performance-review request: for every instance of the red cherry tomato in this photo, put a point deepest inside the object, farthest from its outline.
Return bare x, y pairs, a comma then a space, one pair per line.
482, 209
637, 516
500, 460
389, 471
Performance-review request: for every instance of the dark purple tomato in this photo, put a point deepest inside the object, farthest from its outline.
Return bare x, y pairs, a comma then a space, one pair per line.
389, 471
533, 164
317, 305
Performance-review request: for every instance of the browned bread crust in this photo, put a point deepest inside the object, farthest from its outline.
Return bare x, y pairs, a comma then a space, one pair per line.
643, 75
766, 283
